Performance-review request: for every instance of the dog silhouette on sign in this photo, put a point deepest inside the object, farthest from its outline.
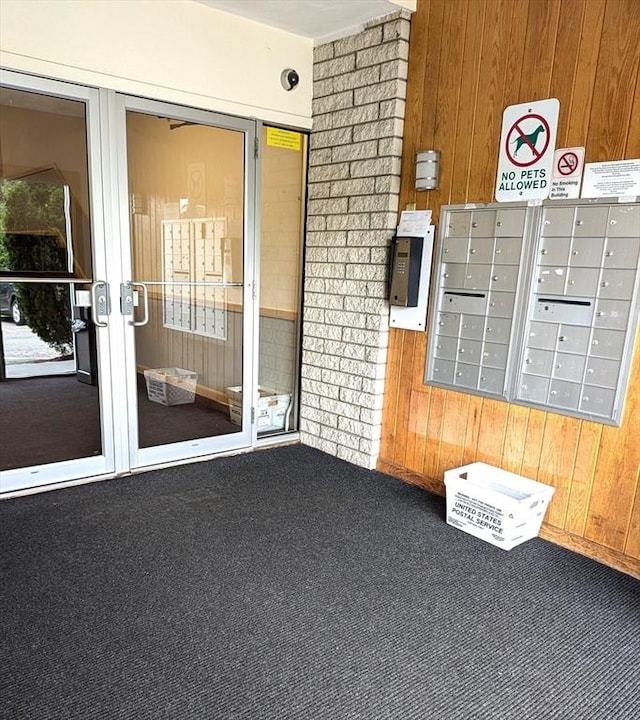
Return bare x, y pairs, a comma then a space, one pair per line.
531, 139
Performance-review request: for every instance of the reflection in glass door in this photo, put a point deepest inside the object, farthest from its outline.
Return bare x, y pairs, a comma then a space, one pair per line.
187, 189
283, 171
127, 248
52, 421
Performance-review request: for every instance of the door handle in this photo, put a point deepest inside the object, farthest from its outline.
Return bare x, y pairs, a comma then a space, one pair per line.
100, 301
145, 303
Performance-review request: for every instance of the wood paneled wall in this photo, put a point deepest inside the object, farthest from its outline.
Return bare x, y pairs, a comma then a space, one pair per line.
468, 60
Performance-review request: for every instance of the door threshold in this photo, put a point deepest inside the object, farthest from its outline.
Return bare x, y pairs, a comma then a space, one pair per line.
261, 444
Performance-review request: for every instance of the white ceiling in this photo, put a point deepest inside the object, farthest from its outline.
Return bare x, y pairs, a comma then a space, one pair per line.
320, 20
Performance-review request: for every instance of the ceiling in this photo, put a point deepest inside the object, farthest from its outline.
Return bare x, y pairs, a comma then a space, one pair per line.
320, 20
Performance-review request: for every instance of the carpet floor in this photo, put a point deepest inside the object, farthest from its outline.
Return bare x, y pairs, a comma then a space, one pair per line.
286, 584
57, 418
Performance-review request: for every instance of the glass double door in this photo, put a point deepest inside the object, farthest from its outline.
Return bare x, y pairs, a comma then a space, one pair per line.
126, 248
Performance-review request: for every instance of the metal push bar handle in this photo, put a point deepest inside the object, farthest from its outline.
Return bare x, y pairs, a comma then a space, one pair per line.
145, 304
95, 304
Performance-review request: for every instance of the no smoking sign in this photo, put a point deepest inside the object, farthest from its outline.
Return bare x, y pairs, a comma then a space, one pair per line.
566, 177
527, 144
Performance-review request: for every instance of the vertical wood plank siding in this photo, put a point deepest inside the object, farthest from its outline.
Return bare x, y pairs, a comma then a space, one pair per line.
468, 60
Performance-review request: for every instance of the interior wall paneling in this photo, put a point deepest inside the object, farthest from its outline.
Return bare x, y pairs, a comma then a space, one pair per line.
615, 80
468, 60
584, 73
469, 83
538, 59
633, 137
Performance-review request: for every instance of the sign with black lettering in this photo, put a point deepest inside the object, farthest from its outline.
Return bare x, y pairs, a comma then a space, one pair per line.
567, 173
527, 144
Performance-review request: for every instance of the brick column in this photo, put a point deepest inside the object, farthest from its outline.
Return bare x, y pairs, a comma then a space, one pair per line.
354, 181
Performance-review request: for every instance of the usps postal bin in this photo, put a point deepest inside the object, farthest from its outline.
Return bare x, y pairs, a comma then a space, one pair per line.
497, 506
272, 412
171, 386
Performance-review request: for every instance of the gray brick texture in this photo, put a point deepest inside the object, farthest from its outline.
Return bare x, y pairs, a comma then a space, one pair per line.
354, 181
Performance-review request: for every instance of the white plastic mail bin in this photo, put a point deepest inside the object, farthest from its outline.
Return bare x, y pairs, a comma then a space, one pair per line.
171, 386
272, 412
492, 504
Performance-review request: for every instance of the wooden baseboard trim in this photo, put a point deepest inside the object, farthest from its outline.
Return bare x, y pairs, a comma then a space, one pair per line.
411, 477
612, 558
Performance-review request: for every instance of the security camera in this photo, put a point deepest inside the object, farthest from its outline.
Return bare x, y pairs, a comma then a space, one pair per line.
289, 78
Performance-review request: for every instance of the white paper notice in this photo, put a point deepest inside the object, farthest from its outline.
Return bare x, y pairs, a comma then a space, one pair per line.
414, 223
611, 179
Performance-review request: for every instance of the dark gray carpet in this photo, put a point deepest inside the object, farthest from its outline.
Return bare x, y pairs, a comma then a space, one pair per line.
289, 585
57, 418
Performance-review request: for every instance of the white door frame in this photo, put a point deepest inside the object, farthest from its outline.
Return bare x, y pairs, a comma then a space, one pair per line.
120, 266
110, 227
104, 464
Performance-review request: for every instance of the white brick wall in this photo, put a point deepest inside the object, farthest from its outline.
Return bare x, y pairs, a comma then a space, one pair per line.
354, 181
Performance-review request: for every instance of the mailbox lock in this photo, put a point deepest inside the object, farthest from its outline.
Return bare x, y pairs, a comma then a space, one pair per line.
499, 251
579, 222
562, 338
554, 392
612, 222
590, 371
595, 342
474, 224
459, 374
499, 223
609, 253
604, 284
461, 350
599, 313
496, 278
575, 252
544, 251
472, 251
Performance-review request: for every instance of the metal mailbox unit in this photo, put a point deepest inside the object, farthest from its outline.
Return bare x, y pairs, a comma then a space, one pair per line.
479, 270
538, 304
581, 318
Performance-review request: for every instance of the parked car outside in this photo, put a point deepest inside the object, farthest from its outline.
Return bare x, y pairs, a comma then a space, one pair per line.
9, 303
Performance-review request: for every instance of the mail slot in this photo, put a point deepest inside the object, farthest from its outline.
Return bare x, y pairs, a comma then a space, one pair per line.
576, 312
473, 303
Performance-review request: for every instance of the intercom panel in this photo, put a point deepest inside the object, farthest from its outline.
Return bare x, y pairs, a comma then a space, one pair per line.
412, 317
405, 271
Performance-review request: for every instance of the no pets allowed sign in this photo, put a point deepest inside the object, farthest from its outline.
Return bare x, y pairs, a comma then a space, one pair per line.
527, 144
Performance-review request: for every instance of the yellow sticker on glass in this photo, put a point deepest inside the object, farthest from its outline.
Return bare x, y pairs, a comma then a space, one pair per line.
283, 138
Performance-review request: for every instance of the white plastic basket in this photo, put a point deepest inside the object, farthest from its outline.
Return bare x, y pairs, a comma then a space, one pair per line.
171, 386
497, 506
